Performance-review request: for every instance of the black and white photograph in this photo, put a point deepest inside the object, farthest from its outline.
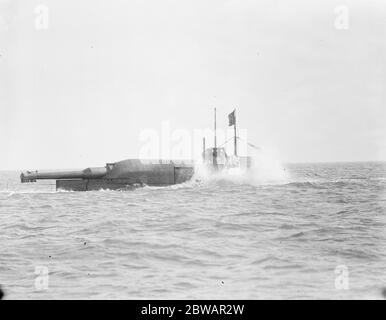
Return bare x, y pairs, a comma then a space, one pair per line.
192, 150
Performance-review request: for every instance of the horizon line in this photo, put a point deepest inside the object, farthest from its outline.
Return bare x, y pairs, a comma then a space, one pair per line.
284, 163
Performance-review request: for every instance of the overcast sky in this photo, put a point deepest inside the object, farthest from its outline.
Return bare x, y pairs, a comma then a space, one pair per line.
80, 83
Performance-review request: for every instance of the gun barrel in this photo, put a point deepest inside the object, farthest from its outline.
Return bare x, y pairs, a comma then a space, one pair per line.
89, 173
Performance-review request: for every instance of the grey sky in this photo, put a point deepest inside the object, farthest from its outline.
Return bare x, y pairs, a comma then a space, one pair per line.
80, 92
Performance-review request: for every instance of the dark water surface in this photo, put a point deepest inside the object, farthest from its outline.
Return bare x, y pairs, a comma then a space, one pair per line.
209, 238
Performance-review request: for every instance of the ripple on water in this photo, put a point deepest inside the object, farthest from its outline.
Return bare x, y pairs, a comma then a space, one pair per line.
200, 239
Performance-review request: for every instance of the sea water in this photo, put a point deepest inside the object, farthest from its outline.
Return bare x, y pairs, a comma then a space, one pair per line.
311, 231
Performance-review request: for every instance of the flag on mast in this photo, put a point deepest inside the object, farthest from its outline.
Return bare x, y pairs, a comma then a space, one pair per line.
232, 118
232, 122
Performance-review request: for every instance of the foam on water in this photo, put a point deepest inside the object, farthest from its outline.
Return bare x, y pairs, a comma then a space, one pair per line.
266, 168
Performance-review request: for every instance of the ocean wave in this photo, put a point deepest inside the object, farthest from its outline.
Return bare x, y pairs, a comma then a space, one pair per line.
161, 241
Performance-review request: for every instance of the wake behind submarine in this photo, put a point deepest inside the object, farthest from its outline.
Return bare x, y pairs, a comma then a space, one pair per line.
137, 172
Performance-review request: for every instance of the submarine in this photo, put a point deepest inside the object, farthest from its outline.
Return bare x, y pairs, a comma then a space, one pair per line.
131, 173
120, 175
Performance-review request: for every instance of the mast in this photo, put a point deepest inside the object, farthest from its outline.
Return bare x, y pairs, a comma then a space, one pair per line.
203, 148
215, 143
215, 137
235, 135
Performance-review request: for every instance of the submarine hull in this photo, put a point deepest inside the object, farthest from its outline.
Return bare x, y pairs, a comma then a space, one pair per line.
178, 175
125, 174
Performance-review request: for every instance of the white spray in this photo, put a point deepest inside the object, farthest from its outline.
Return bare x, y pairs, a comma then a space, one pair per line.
266, 168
